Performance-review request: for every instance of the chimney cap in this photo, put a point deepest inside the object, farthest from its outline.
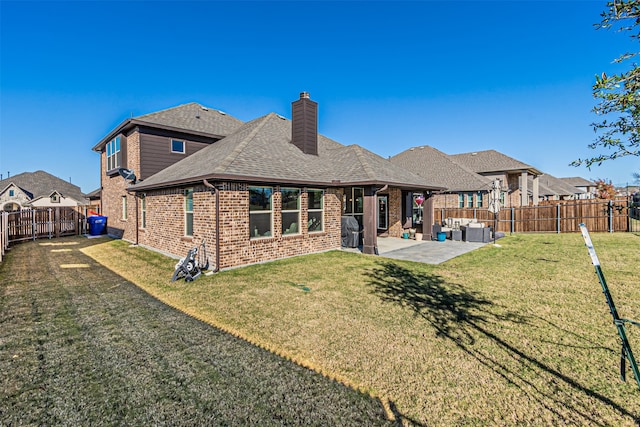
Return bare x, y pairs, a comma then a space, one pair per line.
304, 95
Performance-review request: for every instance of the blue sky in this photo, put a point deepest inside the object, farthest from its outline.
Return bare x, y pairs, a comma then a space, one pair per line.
514, 76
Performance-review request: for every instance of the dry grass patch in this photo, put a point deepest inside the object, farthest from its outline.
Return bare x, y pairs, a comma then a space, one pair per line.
517, 334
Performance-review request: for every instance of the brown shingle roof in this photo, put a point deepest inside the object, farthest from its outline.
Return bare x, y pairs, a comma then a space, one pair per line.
261, 151
436, 166
192, 118
491, 161
42, 184
577, 181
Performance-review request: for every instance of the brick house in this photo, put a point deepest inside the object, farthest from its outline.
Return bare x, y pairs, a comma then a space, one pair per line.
256, 191
40, 189
462, 186
520, 181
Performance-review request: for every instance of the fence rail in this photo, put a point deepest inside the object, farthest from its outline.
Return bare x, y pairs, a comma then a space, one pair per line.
32, 224
556, 217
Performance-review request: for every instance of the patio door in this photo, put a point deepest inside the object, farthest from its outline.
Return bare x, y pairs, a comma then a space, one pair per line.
383, 212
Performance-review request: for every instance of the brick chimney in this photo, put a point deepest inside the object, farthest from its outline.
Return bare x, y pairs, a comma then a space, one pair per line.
304, 126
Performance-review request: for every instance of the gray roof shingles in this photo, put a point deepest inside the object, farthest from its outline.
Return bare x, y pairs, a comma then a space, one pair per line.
438, 167
42, 184
491, 161
261, 150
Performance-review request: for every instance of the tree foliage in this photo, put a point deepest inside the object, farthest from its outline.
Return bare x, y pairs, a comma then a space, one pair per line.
605, 189
618, 95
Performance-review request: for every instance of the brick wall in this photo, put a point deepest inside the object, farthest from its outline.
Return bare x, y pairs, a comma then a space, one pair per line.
395, 213
114, 190
165, 224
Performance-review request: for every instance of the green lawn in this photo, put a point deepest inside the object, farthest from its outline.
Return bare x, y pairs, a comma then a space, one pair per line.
81, 346
513, 335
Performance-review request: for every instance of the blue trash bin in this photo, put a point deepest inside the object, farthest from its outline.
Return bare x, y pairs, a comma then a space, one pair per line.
97, 225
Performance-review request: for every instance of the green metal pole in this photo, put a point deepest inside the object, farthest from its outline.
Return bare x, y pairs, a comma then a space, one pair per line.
620, 323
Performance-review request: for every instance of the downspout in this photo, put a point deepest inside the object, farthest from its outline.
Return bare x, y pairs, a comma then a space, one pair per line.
215, 190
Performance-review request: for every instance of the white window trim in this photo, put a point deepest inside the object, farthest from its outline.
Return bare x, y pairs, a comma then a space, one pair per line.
188, 191
184, 146
113, 160
124, 208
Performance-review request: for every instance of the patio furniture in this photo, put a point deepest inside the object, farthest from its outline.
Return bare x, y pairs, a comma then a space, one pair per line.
476, 234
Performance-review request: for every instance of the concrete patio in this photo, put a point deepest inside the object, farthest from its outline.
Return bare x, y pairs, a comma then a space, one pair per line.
427, 251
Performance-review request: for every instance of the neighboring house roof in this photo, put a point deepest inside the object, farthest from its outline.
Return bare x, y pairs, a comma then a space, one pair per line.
490, 161
42, 184
95, 194
261, 151
577, 181
192, 118
549, 185
437, 167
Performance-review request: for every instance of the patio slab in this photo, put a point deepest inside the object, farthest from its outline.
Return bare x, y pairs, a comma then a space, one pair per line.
427, 251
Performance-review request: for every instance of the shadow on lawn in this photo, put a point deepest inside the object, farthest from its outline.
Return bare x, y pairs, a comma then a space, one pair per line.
461, 315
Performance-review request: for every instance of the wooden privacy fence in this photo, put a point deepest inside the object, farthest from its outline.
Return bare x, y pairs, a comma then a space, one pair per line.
31, 224
556, 216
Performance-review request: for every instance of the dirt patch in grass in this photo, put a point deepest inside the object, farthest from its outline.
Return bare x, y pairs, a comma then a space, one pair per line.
513, 335
81, 345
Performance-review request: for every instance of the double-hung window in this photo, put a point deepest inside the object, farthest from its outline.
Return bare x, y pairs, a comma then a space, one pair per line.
315, 208
461, 200
290, 210
188, 212
479, 199
114, 157
469, 200
260, 212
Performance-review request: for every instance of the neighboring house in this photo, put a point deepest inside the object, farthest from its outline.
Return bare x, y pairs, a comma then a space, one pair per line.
589, 187
94, 201
513, 174
39, 190
552, 188
256, 191
463, 187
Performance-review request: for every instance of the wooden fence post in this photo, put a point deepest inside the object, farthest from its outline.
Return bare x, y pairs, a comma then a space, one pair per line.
57, 222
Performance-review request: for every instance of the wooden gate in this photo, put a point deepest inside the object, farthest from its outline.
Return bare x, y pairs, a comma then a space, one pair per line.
31, 224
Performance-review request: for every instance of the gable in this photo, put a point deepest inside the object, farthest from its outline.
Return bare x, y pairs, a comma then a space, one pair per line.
14, 193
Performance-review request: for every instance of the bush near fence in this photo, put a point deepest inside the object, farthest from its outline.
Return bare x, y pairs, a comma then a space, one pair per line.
557, 216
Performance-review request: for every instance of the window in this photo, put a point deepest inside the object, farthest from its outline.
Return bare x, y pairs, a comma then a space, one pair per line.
260, 211
461, 200
124, 207
177, 146
418, 200
383, 212
12, 193
113, 154
55, 198
290, 211
188, 212
479, 199
353, 203
144, 212
315, 208
469, 200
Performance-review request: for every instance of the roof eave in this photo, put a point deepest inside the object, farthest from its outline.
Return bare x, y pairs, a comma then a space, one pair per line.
270, 180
